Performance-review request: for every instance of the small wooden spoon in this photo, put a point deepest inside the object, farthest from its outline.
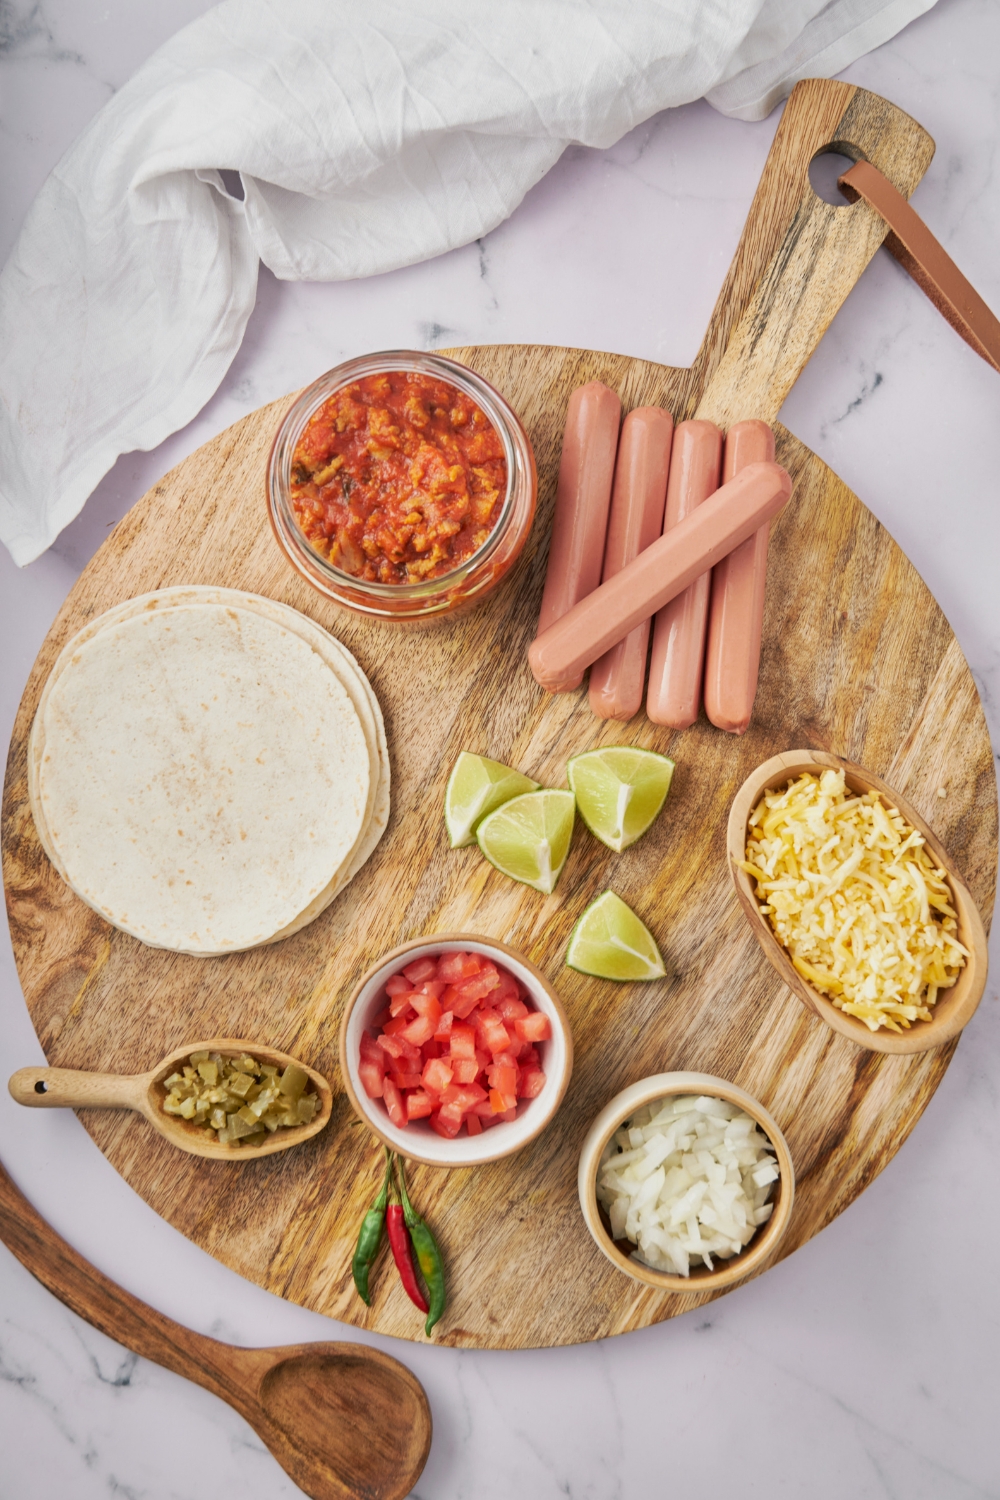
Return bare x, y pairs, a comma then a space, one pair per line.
69, 1088
346, 1422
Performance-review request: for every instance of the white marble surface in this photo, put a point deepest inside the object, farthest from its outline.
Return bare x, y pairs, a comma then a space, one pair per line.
865, 1365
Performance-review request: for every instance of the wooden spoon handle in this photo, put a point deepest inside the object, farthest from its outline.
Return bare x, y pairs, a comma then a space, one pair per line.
799, 257
70, 1088
116, 1312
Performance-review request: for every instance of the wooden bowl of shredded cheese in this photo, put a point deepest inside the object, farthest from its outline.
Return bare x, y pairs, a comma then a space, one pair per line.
856, 903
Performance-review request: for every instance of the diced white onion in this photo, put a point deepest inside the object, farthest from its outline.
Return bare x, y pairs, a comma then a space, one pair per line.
686, 1179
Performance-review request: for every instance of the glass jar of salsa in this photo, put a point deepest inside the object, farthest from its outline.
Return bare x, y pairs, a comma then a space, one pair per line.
401, 485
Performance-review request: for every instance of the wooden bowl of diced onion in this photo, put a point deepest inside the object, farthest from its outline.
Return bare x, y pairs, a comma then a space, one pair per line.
955, 1005
724, 1271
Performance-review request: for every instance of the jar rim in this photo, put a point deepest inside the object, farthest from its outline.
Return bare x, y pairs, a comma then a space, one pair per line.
501, 416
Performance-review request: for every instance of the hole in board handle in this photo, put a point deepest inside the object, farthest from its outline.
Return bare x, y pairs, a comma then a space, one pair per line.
824, 169
41, 1087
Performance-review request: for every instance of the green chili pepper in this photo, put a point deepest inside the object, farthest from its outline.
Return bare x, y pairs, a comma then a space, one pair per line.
428, 1254
370, 1236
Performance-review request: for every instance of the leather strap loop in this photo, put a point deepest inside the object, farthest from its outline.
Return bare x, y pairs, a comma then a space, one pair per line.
916, 249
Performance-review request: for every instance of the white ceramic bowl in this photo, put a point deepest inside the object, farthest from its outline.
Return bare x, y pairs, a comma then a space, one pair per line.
621, 1108
417, 1141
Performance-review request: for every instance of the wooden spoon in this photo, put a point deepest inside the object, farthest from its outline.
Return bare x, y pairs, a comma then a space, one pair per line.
346, 1422
70, 1088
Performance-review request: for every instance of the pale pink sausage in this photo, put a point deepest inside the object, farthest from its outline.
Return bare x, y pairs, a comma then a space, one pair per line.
637, 500
678, 651
732, 659
659, 574
583, 497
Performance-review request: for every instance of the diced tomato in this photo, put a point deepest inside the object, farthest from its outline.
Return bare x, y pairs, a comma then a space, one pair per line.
405, 1080
535, 1027
494, 1033
446, 1123
463, 1097
456, 1041
396, 1046
506, 989
463, 1041
503, 1078
419, 1031
420, 969
371, 1074
435, 987
370, 1049
465, 1069
426, 1005
453, 967
394, 1103
437, 1075
480, 985
530, 1083
508, 1007
462, 1005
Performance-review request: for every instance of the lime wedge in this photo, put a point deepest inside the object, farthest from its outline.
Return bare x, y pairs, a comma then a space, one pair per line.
619, 791
528, 837
475, 787
611, 942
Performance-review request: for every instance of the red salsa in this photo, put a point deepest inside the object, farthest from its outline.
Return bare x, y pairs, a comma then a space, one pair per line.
398, 477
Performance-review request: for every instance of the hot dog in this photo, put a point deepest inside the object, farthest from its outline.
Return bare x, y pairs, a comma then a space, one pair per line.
583, 497
659, 574
637, 501
732, 658
679, 630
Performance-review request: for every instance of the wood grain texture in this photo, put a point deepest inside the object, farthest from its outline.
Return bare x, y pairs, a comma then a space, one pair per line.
857, 659
345, 1421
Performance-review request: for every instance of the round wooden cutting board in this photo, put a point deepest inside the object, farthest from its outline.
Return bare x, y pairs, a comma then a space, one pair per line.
857, 659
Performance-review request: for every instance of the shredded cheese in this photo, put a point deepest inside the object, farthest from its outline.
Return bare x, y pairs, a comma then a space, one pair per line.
853, 895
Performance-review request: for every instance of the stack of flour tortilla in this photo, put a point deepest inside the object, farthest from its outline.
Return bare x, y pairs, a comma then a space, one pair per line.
207, 769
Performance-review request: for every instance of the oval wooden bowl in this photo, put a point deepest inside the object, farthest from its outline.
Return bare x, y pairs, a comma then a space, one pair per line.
72, 1088
417, 1141
954, 1007
615, 1113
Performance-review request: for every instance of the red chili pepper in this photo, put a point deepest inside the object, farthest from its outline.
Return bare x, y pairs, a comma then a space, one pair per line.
402, 1254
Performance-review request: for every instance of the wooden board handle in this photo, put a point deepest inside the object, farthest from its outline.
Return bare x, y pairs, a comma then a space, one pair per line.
799, 257
70, 1088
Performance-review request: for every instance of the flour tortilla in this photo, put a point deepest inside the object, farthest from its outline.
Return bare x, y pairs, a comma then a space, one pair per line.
217, 722
334, 653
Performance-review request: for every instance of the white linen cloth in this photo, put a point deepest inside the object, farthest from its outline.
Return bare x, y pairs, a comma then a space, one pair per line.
367, 136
